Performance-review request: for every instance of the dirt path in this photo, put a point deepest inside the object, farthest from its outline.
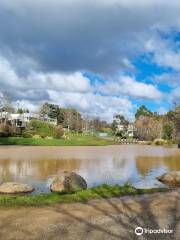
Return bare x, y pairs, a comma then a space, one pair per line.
107, 219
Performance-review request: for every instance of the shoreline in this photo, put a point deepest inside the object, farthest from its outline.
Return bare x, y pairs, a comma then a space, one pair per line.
74, 141
103, 191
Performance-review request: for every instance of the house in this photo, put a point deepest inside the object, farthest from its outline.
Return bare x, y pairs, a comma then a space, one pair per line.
130, 130
123, 126
21, 120
47, 119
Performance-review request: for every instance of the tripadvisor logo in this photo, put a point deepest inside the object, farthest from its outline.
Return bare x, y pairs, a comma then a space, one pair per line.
139, 231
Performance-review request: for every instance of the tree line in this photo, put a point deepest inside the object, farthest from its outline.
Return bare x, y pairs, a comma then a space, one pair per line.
149, 125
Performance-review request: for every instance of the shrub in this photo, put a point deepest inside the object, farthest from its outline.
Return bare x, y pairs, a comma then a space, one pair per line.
159, 142
5, 130
43, 130
167, 131
27, 135
58, 132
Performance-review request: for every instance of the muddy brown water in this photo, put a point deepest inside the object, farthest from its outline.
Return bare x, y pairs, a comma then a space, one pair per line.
37, 166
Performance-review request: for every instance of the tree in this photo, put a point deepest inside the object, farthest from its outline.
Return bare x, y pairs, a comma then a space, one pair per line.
143, 111
176, 124
5, 103
148, 128
120, 126
172, 124
167, 131
98, 125
60, 117
21, 111
70, 118
50, 110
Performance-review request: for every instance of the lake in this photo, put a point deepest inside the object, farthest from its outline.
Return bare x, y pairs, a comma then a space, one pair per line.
137, 164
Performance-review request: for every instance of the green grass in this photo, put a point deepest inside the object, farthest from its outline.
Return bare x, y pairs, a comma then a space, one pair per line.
100, 192
75, 140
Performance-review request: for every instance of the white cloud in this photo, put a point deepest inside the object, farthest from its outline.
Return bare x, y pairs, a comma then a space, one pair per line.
168, 59
170, 79
175, 95
162, 111
166, 52
67, 90
75, 82
83, 35
95, 105
44, 57
128, 86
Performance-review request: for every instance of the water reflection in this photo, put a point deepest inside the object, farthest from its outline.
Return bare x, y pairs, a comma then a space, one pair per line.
113, 164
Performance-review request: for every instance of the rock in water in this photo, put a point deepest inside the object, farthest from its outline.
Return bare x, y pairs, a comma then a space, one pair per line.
14, 187
68, 182
170, 178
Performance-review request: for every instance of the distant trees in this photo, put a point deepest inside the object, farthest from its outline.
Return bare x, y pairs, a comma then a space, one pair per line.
71, 119
167, 131
176, 123
21, 111
148, 125
120, 126
5, 103
143, 111
151, 125
148, 128
50, 110
98, 125
173, 122
5, 130
67, 117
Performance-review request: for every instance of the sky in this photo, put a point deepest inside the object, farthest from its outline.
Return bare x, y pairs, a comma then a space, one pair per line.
102, 57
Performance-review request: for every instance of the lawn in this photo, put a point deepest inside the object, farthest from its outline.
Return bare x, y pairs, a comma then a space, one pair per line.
100, 192
74, 140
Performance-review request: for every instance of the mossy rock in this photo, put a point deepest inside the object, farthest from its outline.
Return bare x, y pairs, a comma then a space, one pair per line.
68, 182
170, 178
14, 187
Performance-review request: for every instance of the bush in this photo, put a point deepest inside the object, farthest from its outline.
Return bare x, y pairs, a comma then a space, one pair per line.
58, 132
167, 131
159, 142
5, 130
43, 130
27, 135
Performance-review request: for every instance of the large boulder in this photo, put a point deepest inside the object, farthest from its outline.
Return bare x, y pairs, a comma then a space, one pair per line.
170, 178
14, 187
68, 182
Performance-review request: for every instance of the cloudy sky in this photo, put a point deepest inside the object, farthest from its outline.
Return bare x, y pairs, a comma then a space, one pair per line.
100, 56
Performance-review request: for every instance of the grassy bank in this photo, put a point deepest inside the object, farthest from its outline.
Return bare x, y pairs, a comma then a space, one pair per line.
75, 140
100, 192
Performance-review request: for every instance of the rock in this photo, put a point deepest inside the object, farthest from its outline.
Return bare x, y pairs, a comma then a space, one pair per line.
36, 136
14, 187
170, 178
68, 182
49, 138
159, 142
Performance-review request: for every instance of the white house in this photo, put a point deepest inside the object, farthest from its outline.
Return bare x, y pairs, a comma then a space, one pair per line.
21, 120
128, 129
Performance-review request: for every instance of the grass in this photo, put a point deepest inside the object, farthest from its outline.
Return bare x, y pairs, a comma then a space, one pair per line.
100, 192
75, 140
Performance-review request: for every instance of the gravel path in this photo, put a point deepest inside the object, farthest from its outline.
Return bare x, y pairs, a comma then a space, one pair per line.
106, 219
